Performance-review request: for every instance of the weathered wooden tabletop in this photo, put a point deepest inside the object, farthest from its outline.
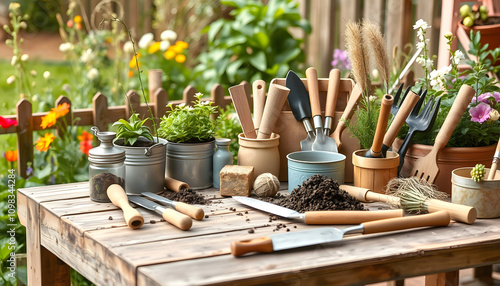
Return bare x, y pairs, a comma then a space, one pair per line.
64, 224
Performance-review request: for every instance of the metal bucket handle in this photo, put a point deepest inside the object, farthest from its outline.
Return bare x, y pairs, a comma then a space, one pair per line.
149, 151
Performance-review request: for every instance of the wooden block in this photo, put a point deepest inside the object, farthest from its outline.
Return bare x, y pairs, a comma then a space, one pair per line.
236, 180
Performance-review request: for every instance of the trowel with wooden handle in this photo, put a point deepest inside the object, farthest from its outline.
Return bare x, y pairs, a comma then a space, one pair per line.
331, 100
175, 218
187, 209
240, 101
119, 198
276, 98
289, 240
259, 101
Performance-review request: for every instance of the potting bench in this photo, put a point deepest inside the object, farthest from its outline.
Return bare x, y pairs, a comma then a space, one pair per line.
64, 227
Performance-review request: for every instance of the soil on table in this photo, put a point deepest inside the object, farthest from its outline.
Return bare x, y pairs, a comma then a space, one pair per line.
99, 185
318, 193
187, 196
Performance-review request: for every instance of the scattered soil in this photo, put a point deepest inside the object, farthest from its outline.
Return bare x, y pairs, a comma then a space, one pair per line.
99, 185
318, 193
187, 196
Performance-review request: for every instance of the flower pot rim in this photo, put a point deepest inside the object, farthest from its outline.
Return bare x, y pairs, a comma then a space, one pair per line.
425, 146
481, 27
189, 143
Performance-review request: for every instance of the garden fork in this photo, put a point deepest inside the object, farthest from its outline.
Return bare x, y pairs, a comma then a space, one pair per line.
418, 122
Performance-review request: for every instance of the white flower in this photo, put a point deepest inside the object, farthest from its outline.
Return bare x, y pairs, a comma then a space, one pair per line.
33, 72
92, 74
25, 57
87, 56
420, 45
428, 64
128, 47
164, 45
11, 79
65, 47
181, 105
146, 40
420, 60
494, 115
458, 57
421, 24
13, 62
372, 98
420, 35
190, 108
198, 94
46, 75
205, 102
168, 35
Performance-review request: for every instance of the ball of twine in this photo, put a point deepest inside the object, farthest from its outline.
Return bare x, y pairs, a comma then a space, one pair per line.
266, 185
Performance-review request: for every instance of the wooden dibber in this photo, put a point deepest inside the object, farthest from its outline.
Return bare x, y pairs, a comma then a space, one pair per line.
175, 185
276, 98
259, 101
119, 198
383, 118
461, 213
240, 101
348, 113
494, 164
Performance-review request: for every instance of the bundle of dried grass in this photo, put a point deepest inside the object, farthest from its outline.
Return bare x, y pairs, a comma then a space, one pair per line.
357, 54
414, 193
372, 35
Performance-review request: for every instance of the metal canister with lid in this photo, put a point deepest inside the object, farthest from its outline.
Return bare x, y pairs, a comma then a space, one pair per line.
107, 166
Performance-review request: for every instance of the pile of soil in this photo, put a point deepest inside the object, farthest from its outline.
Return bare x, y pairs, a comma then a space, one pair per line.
187, 196
318, 193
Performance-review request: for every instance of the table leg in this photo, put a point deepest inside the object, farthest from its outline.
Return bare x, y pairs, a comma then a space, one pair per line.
484, 273
442, 279
44, 268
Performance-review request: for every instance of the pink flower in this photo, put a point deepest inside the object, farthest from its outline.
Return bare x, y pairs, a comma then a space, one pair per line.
496, 95
480, 113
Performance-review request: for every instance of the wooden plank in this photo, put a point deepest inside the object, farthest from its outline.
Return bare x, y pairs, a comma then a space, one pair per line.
449, 23
442, 279
398, 23
374, 11
100, 104
57, 193
24, 136
188, 95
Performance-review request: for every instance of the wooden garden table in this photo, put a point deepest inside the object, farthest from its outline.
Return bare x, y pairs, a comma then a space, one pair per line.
64, 227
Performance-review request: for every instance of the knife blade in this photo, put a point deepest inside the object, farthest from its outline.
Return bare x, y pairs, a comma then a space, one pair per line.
192, 211
173, 217
320, 217
282, 241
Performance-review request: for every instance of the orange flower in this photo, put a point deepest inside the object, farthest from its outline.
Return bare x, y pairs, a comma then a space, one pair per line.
180, 58
61, 110
77, 19
169, 54
11, 156
85, 142
43, 143
130, 74
154, 48
48, 120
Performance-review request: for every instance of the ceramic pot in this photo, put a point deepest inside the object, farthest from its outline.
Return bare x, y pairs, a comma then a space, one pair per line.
222, 157
191, 163
262, 154
304, 164
483, 196
374, 173
144, 167
449, 159
490, 34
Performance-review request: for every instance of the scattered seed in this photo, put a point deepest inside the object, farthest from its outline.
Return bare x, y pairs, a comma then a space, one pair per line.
110, 218
152, 221
251, 230
206, 216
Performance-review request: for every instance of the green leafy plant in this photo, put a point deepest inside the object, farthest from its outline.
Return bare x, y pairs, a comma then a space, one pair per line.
190, 124
132, 129
253, 44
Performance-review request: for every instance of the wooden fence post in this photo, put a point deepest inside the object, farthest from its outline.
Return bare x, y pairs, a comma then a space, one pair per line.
159, 101
188, 95
24, 136
217, 97
99, 110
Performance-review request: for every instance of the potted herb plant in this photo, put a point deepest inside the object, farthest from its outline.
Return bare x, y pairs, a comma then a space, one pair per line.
473, 140
190, 133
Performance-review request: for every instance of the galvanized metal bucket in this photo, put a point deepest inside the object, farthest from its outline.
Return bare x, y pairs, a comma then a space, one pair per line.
145, 167
304, 164
191, 163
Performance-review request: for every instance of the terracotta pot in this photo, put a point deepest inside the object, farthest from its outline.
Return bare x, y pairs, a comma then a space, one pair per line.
490, 34
374, 173
483, 196
262, 154
449, 159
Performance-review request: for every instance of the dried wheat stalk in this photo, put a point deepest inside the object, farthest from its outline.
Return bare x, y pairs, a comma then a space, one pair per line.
357, 54
372, 35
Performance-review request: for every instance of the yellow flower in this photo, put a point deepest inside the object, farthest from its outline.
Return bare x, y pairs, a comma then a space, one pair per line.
169, 54
43, 143
182, 44
176, 48
77, 19
154, 47
48, 120
132, 63
180, 58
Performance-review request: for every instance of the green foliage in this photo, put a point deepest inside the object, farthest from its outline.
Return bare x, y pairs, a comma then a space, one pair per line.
253, 44
230, 128
189, 124
366, 123
132, 129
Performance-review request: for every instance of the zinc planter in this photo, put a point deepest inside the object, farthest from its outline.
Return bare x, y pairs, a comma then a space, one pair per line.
144, 167
191, 163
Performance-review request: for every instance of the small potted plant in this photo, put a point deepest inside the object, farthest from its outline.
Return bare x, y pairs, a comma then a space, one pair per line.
190, 132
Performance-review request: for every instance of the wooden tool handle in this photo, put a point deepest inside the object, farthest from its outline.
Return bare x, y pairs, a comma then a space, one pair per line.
441, 218
261, 244
192, 211
403, 112
494, 164
259, 101
177, 219
276, 98
366, 195
348, 112
240, 101
383, 118
332, 93
118, 197
175, 185
457, 212
349, 217
312, 85
457, 110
